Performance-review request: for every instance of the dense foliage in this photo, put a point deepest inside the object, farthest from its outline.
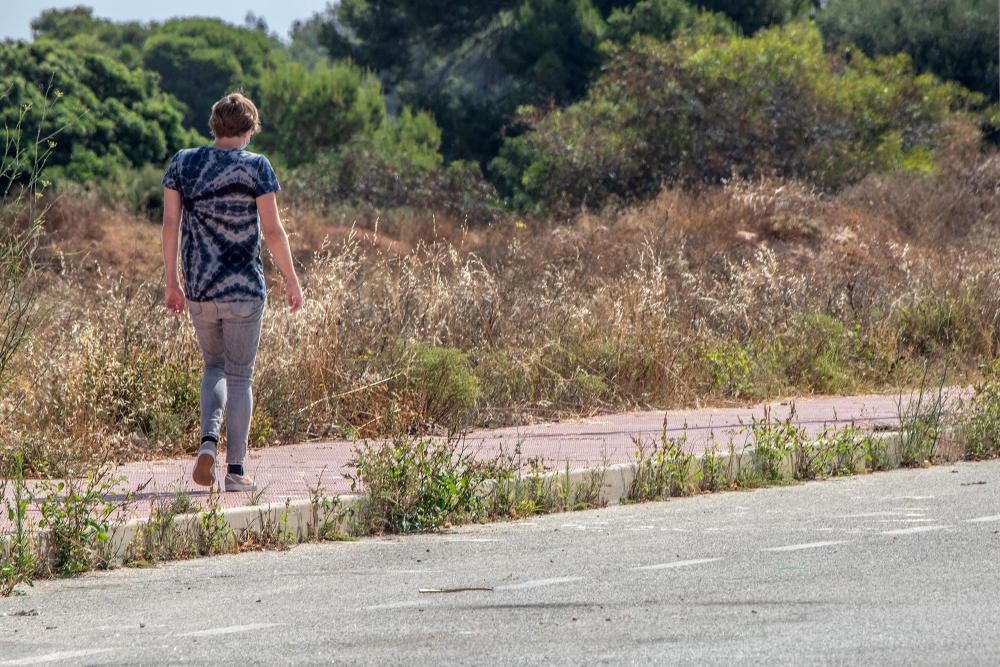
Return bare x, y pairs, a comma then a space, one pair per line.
197, 60
704, 109
562, 102
955, 39
108, 117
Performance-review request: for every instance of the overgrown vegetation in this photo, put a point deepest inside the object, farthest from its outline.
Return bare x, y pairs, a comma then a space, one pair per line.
422, 484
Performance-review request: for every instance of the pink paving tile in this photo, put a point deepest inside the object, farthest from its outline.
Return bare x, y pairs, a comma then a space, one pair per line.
292, 471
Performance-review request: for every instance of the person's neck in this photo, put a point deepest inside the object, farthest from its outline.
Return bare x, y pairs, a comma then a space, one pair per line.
228, 142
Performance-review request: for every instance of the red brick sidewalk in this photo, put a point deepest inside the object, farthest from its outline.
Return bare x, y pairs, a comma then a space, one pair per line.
291, 471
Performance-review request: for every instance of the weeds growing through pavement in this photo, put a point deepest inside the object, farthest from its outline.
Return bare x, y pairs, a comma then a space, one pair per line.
214, 534
773, 442
921, 421
714, 474
981, 423
416, 483
162, 537
330, 520
663, 469
17, 547
79, 515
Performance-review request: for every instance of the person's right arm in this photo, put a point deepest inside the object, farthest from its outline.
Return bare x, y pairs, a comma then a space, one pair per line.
277, 242
173, 296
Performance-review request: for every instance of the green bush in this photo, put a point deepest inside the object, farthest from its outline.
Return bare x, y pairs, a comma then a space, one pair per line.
943, 323
954, 39
704, 108
307, 113
109, 117
817, 353
663, 19
981, 427
361, 174
441, 381
731, 367
415, 484
752, 15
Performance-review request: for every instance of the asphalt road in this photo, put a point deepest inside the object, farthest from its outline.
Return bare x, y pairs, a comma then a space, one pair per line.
896, 568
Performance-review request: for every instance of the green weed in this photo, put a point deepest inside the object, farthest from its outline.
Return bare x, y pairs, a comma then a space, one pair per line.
731, 368
920, 423
17, 549
980, 426
80, 515
415, 484
773, 443
662, 470
214, 533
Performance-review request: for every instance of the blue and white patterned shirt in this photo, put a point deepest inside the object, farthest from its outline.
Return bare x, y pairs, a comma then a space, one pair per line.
220, 250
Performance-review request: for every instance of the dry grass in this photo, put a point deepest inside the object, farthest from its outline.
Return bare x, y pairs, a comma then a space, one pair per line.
728, 294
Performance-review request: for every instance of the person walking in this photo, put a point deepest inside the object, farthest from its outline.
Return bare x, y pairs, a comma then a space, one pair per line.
218, 201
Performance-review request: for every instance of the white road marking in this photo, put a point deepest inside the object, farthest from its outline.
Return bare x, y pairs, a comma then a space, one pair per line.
677, 563
913, 530
54, 657
807, 545
230, 630
984, 519
397, 605
537, 583
469, 539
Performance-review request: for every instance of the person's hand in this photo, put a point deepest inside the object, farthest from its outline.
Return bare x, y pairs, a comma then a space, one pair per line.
293, 295
173, 299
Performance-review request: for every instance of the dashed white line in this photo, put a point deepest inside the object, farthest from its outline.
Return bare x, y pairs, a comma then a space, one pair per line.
469, 539
397, 605
230, 630
55, 657
914, 530
984, 519
677, 563
807, 545
538, 583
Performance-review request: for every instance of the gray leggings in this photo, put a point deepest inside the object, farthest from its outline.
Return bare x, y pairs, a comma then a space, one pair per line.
228, 335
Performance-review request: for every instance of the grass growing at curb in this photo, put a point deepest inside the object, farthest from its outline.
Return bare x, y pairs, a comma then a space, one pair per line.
421, 484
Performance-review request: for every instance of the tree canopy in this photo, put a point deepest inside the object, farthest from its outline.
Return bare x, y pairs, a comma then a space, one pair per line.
954, 39
109, 116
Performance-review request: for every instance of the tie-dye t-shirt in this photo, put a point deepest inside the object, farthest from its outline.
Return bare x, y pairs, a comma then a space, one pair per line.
220, 248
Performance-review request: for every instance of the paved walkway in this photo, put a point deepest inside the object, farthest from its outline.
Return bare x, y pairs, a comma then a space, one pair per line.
292, 471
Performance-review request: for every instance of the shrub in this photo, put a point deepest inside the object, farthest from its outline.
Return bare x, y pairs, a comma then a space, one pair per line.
954, 39
442, 381
981, 424
111, 117
938, 323
731, 368
415, 484
817, 353
703, 109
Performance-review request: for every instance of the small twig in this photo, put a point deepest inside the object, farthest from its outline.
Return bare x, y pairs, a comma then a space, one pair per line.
347, 393
455, 590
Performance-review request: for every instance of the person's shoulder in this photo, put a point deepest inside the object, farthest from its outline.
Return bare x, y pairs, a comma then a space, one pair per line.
256, 158
184, 153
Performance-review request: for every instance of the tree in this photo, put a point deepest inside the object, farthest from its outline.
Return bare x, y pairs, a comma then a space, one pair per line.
310, 112
200, 60
703, 109
109, 116
954, 39
752, 15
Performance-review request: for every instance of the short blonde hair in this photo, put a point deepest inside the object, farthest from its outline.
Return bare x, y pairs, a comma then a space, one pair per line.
234, 115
